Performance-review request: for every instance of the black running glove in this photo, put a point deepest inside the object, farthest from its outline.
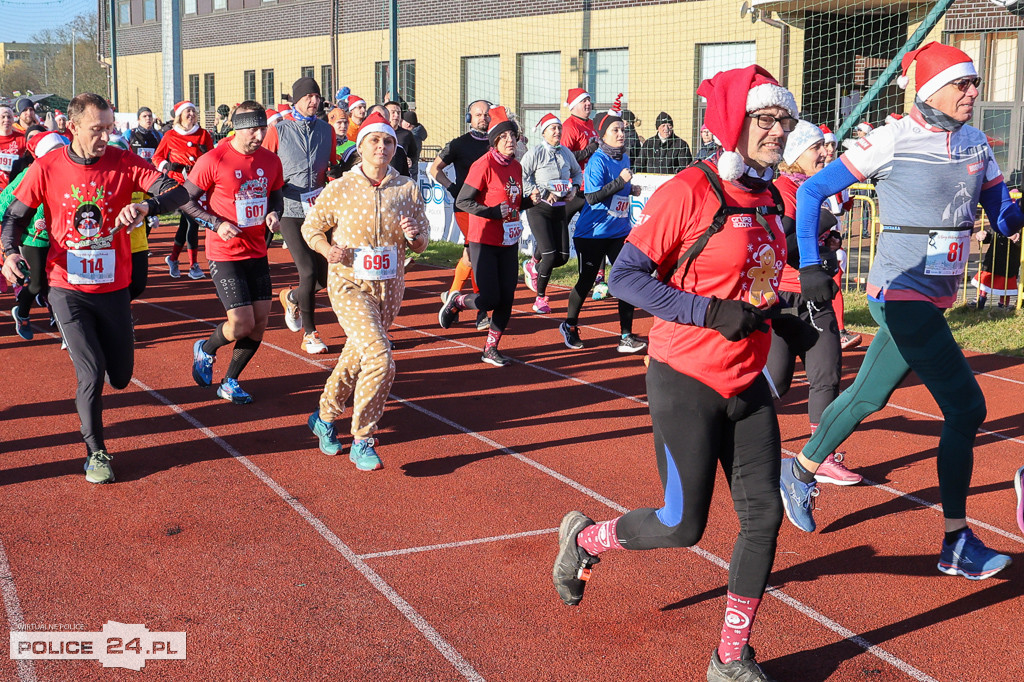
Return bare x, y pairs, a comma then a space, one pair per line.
175, 167
816, 285
735, 320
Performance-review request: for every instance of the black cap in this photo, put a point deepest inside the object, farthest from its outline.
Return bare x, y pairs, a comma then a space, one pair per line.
223, 110
663, 118
304, 86
410, 117
143, 110
22, 104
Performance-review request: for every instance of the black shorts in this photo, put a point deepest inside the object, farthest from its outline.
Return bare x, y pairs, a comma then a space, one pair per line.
241, 282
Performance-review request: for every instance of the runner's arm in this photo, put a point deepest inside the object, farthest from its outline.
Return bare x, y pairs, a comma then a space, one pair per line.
631, 281
16, 219
467, 202
833, 178
275, 202
1004, 213
606, 192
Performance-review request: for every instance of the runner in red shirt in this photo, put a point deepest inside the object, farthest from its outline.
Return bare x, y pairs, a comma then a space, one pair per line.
710, 403
83, 188
580, 138
12, 145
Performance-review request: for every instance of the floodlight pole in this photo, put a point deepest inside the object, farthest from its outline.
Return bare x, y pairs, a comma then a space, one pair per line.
393, 17
113, 52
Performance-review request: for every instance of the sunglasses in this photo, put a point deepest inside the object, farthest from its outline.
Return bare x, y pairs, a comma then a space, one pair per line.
767, 122
964, 84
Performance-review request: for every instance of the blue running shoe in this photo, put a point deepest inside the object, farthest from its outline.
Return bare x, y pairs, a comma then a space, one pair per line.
230, 390
797, 497
969, 557
202, 364
364, 456
21, 325
329, 443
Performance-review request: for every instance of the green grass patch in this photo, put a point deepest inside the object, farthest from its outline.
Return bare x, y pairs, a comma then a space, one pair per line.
446, 255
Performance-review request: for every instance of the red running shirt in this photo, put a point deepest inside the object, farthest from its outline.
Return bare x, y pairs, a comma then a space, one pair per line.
496, 184
742, 262
12, 148
237, 186
81, 203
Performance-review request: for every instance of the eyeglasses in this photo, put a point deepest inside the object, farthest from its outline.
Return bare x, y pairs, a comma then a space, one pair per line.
767, 122
964, 84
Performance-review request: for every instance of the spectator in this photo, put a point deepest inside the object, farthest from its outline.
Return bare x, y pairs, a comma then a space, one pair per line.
665, 152
26, 113
633, 139
708, 144
411, 123
222, 123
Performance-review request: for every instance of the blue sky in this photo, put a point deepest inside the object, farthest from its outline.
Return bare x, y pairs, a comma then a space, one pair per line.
23, 18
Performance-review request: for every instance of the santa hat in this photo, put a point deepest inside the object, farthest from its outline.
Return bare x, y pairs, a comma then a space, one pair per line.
546, 120
180, 108
273, 116
374, 123
800, 140
937, 65
353, 101
575, 96
829, 136
731, 95
609, 117
499, 124
892, 118
42, 143
58, 114
865, 127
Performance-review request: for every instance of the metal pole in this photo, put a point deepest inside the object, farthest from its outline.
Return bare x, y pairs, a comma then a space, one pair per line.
334, 52
393, 16
113, 53
171, 54
74, 84
929, 22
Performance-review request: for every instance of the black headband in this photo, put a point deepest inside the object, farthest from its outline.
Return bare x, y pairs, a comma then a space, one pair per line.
249, 119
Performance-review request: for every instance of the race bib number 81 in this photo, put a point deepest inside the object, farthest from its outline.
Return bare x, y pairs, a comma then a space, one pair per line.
947, 252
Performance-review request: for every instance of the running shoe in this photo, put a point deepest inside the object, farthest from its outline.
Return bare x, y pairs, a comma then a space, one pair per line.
483, 322
630, 343
600, 276
743, 669
329, 443
449, 313
530, 274
1018, 485
572, 564
98, 469
848, 340
196, 272
21, 325
444, 296
312, 344
172, 267
833, 471
202, 364
364, 456
541, 305
797, 497
600, 292
493, 356
230, 390
969, 557
571, 336
292, 317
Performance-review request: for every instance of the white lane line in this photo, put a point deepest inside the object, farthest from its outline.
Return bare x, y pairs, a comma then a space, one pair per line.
404, 607
462, 543
777, 593
939, 418
26, 667
996, 376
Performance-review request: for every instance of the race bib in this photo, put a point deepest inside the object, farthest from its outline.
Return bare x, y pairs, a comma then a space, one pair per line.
91, 266
620, 206
375, 262
947, 252
7, 162
513, 231
559, 188
250, 211
308, 199
145, 152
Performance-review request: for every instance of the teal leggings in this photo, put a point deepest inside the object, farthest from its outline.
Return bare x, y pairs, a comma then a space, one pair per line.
913, 335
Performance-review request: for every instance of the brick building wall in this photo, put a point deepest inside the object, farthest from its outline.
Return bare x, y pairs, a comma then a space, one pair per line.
980, 16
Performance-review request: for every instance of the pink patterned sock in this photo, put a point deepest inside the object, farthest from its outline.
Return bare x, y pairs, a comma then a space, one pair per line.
739, 618
493, 337
600, 537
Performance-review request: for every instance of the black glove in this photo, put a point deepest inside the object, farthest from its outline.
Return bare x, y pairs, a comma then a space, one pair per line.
735, 320
816, 285
590, 148
175, 167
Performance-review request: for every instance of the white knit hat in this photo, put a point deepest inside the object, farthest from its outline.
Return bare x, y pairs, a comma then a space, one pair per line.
803, 136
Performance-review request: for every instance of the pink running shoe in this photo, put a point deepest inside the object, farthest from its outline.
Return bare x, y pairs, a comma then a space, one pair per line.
1018, 485
541, 305
530, 274
833, 471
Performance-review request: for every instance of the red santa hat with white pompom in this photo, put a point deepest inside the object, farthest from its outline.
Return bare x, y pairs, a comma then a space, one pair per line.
937, 65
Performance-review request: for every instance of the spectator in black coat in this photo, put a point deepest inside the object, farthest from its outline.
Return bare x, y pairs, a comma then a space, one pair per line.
665, 152
633, 139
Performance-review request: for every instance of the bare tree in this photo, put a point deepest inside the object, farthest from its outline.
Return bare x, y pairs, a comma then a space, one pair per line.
89, 75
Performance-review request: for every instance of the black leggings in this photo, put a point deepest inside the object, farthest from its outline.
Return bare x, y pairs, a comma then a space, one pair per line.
793, 337
551, 231
695, 430
496, 271
101, 341
140, 274
312, 270
188, 232
36, 257
590, 255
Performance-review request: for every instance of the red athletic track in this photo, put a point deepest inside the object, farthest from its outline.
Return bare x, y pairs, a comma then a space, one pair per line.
266, 581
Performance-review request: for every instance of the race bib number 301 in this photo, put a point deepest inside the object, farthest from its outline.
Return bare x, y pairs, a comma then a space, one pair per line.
947, 252
620, 206
375, 262
91, 266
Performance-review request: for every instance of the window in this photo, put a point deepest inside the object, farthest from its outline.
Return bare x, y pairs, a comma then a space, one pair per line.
149, 10
327, 81
406, 80
248, 85
1001, 67
210, 96
190, 6
540, 86
605, 75
193, 88
124, 12
220, 4
269, 99
307, 72
480, 79
719, 57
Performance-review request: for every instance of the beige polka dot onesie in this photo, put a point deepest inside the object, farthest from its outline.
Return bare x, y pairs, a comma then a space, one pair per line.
366, 288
